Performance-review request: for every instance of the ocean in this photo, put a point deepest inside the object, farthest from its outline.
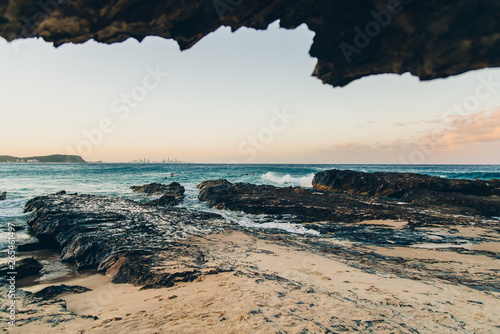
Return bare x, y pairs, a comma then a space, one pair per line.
25, 181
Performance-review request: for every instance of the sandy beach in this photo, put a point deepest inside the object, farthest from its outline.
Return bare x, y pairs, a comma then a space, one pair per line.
273, 287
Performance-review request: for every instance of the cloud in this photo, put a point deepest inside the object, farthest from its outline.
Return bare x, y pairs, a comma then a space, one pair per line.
453, 134
465, 130
478, 128
350, 146
431, 121
367, 123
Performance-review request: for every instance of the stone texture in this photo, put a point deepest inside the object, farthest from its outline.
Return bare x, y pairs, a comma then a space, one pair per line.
173, 188
479, 195
122, 238
35, 307
51, 292
430, 39
172, 194
24, 268
339, 213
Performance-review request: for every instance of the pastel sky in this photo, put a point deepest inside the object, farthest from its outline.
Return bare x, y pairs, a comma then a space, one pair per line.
243, 97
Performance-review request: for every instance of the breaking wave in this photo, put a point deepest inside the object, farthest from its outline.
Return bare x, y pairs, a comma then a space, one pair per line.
288, 180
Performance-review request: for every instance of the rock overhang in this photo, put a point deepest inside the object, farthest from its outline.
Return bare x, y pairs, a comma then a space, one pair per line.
353, 38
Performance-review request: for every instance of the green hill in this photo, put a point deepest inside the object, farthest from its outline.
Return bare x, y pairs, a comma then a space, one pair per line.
55, 158
7, 158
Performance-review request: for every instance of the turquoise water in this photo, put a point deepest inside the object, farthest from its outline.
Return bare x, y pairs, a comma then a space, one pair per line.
25, 181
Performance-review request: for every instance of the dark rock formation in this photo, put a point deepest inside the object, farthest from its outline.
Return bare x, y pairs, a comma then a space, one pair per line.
354, 38
24, 268
3, 196
479, 195
158, 189
396, 184
33, 307
173, 194
311, 206
488, 206
211, 183
254, 199
30, 246
120, 237
51, 292
336, 213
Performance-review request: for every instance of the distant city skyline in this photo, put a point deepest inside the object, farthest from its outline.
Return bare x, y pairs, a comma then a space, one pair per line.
242, 97
163, 161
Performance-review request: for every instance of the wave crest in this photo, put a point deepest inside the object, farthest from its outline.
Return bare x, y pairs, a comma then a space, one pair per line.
287, 179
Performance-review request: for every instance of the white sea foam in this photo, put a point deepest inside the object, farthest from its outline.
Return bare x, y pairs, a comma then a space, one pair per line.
12, 208
261, 221
288, 180
248, 220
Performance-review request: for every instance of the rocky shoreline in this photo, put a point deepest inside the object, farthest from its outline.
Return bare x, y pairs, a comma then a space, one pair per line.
337, 212
367, 224
118, 236
478, 196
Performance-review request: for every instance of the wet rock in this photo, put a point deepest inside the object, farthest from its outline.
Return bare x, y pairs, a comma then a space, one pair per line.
120, 237
171, 194
303, 204
31, 309
210, 183
30, 246
165, 200
3, 196
478, 195
24, 268
51, 292
150, 189
338, 214
397, 184
254, 199
488, 206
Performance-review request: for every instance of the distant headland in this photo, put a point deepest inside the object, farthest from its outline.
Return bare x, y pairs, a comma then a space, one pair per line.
55, 158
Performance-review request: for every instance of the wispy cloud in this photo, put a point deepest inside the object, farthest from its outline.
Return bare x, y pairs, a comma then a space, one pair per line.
452, 134
350, 146
365, 124
470, 129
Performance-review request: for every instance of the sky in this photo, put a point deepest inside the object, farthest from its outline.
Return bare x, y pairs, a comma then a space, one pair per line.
242, 97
